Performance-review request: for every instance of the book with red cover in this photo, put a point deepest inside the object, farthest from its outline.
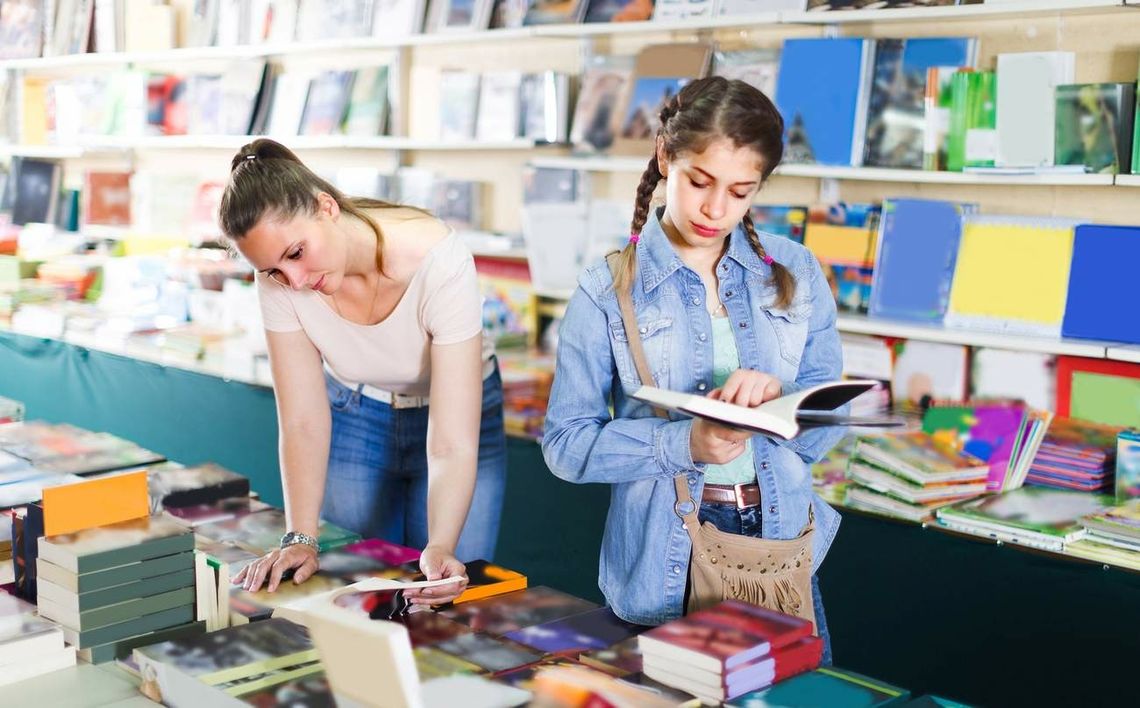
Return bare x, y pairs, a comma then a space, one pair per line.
798, 657
725, 636
107, 198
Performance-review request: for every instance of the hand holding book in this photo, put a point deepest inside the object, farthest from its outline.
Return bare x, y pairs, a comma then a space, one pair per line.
783, 417
712, 442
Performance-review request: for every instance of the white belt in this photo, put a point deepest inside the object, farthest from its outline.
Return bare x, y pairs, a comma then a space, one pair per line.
396, 400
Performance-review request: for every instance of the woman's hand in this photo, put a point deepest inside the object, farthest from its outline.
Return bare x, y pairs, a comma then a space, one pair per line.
746, 387
436, 563
719, 444
301, 558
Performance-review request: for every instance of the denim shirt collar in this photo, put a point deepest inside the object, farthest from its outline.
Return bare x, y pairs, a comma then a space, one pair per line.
657, 260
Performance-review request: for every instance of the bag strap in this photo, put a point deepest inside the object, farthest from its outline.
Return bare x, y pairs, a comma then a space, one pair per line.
629, 322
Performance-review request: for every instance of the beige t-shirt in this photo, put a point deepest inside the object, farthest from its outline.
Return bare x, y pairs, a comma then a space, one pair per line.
442, 305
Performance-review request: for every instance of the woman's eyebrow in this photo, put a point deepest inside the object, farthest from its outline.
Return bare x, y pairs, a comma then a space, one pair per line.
713, 178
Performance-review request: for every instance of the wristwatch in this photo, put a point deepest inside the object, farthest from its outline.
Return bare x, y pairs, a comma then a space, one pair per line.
292, 538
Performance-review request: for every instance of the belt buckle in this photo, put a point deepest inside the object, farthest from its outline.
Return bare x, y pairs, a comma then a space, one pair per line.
738, 492
403, 400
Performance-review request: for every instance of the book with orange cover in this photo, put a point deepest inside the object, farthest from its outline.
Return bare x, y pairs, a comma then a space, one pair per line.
486, 579
95, 502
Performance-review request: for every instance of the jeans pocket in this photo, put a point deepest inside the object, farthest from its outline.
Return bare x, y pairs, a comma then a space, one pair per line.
340, 396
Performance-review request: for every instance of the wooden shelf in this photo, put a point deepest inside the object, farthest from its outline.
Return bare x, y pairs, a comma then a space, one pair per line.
1128, 180
1125, 352
96, 145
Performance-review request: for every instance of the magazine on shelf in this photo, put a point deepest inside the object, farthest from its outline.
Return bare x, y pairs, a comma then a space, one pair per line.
783, 417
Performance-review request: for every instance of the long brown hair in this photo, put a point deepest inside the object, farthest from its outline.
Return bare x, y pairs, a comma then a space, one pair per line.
266, 178
703, 111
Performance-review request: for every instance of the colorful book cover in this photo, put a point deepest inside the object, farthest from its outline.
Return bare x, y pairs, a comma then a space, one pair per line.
781, 220
513, 611
618, 10
1094, 126
262, 532
988, 433
1099, 390
221, 510
117, 544
596, 629
603, 84
189, 486
1128, 466
228, 654
1041, 510
488, 653
725, 636
433, 663
823, 687
920, 457
621, 659
895, 113
822, 92
388, 553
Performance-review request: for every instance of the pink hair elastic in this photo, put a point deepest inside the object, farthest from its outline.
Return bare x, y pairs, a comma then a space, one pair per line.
634, 238
768, 259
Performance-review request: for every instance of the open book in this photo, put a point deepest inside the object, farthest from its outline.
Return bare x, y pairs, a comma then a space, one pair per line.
782, 417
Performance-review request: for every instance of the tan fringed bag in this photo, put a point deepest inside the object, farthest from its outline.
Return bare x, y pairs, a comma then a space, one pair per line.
775, 574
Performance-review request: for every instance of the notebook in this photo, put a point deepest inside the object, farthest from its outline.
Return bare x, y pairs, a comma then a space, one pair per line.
918, 249
1102, 284
1012, 275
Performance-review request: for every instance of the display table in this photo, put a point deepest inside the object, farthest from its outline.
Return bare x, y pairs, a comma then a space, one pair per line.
932, 611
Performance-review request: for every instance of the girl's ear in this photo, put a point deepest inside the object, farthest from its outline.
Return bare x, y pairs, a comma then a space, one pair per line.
662, 161
327, 206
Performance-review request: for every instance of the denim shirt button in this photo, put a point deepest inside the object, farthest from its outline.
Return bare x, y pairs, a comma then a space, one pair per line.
772, 509
702, 336
743, 325
643, 330
696, 301
676, 570
701, 386
764, 465
728, 294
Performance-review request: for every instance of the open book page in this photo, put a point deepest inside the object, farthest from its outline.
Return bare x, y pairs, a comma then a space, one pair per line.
776, 418
297, 610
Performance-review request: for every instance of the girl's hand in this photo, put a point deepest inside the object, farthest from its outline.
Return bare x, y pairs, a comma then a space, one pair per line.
436, 563
746, 387
269, 569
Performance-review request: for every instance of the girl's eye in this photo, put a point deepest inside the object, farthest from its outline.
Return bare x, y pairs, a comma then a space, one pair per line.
697, 184
296, 255
739, 196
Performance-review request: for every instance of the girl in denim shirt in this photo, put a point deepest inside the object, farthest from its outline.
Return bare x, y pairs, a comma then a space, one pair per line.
722, 310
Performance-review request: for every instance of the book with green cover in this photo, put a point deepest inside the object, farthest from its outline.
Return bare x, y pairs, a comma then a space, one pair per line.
82, 602
114, 575
1040, 514
261, 532
1094, 126
826, 686
116, 544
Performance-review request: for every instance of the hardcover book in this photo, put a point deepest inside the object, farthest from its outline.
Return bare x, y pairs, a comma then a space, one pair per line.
117, 544
596, 629
1094, 125
512, 611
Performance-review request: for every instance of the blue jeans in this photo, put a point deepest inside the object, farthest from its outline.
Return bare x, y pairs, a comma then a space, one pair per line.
747, 522
378, 473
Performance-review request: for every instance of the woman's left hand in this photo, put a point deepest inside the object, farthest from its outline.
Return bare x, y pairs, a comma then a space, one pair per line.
746, 387
436, 563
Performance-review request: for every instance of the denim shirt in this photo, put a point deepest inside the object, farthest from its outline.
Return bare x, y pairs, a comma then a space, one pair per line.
645, 549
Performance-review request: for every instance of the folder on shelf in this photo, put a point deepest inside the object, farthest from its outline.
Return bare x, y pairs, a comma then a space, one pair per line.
1098, 390
1012, 275
918, 249
1102, 287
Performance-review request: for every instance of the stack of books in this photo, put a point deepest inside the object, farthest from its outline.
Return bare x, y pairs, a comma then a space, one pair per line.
200, 670
728, 650
112, 588
1040, 517
1076, 454
1006, 434
911, 475
29, 646
1112, 536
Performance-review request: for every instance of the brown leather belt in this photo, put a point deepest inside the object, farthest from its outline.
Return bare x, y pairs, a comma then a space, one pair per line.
742, 495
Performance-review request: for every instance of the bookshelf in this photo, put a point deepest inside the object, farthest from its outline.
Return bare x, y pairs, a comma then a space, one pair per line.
857, 324
1125, 353
980, 12
1128, 180
863, 174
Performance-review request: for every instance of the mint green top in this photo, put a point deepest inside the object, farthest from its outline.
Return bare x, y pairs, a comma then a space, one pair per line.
725, 361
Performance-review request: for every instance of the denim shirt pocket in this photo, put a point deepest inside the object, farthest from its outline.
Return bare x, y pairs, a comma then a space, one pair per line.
655, 334
791, 327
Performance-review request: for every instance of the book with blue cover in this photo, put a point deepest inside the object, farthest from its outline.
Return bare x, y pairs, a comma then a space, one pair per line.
1102, 284
822, 93
918, 248
894, 133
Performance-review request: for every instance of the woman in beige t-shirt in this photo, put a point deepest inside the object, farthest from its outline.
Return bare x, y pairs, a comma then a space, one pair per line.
389, 404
